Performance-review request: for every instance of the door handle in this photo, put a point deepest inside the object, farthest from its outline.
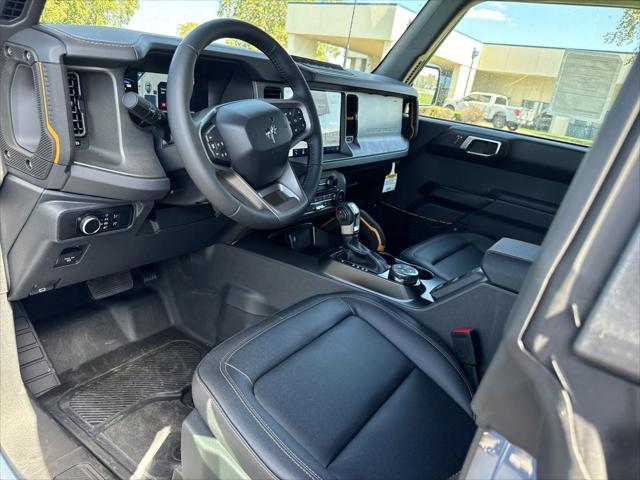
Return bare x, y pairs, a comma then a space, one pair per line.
482, 147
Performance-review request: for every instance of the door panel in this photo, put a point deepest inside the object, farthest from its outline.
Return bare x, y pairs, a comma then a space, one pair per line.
442, 187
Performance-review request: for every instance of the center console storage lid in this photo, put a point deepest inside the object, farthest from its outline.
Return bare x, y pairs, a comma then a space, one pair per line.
507, 262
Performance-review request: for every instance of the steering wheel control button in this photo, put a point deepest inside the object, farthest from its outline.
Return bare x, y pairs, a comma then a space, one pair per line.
216, 146
90, 225
296, 120
69, 256
404, 274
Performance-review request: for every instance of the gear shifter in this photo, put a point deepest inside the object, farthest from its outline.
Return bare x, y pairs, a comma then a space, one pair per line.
348, 217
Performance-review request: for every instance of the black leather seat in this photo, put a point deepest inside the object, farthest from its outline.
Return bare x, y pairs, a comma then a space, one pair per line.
340, 386
449, 255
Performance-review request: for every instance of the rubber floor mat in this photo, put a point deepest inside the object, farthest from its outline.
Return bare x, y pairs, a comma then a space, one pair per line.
163, 373
130, 415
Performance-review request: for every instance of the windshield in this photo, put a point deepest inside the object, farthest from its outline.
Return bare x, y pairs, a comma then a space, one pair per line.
353, 34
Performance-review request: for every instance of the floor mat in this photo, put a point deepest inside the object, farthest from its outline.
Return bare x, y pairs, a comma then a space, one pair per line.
130, 415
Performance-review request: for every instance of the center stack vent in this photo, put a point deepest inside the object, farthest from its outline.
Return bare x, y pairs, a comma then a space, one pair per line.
76, 101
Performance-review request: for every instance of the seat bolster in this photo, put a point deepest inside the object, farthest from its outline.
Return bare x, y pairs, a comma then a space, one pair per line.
265, 445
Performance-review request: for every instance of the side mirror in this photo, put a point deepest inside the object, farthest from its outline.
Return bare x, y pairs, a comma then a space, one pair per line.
427, 83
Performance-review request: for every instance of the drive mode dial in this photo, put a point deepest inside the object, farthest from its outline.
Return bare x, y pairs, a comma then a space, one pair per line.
90, 225
404, 274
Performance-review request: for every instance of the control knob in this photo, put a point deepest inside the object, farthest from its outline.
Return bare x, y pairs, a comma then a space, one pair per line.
90, 224
404, 274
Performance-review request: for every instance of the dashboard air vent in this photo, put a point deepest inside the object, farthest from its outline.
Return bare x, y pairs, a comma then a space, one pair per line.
271, 91
77, 104
13, 9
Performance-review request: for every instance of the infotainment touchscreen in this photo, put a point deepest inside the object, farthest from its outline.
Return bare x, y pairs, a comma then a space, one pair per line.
329, 106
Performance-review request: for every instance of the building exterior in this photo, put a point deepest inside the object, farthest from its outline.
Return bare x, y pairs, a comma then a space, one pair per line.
530, 76
375, 27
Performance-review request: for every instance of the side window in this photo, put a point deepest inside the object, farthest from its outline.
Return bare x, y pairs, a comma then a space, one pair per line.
541, 69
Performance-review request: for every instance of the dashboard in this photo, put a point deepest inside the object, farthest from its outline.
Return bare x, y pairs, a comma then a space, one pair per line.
91, 190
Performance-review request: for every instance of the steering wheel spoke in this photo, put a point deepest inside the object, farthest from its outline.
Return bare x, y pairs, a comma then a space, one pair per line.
278, 197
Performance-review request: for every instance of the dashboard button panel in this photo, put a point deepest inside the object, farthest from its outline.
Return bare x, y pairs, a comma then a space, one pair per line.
95, 222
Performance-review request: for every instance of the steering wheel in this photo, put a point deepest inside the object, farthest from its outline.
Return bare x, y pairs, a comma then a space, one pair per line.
236, 153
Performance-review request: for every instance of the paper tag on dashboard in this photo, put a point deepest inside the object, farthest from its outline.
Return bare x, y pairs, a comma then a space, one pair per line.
391, 180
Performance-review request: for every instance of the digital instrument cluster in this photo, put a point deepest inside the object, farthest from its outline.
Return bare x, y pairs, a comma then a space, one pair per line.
152, 86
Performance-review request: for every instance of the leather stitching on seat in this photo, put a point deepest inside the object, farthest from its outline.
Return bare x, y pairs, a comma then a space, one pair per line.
265, 427
419, 332
241, 372
234, 430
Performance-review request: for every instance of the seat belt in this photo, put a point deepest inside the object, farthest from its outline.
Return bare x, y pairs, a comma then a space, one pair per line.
467, 349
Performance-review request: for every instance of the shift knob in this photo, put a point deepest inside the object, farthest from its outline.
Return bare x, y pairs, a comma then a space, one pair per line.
348, 217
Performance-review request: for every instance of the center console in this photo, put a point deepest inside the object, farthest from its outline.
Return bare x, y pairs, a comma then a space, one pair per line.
344, 258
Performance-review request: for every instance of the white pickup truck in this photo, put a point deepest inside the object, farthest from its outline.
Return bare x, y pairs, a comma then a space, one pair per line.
495, 107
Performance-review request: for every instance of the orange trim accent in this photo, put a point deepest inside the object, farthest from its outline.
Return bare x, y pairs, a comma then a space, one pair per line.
375, 232
56, 139
415, 214
327, 222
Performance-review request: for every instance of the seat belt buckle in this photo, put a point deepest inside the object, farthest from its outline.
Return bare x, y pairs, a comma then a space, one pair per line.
466, 347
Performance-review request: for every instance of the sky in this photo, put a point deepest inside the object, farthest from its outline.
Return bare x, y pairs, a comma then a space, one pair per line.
544, 25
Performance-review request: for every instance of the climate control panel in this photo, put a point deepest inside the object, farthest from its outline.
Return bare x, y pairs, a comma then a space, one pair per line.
95, 222
331, 190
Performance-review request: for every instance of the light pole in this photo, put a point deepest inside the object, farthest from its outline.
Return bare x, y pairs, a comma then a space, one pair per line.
346, 48
474, 54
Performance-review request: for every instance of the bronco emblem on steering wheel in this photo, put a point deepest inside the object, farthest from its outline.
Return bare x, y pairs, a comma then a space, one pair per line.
272, 131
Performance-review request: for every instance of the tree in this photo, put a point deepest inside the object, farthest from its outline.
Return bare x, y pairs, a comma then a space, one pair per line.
185, 28
325, 52
627, 30
269, 15
426, 82
113, 13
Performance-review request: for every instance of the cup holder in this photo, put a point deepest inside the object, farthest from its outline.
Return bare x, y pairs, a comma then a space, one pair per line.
391, 260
